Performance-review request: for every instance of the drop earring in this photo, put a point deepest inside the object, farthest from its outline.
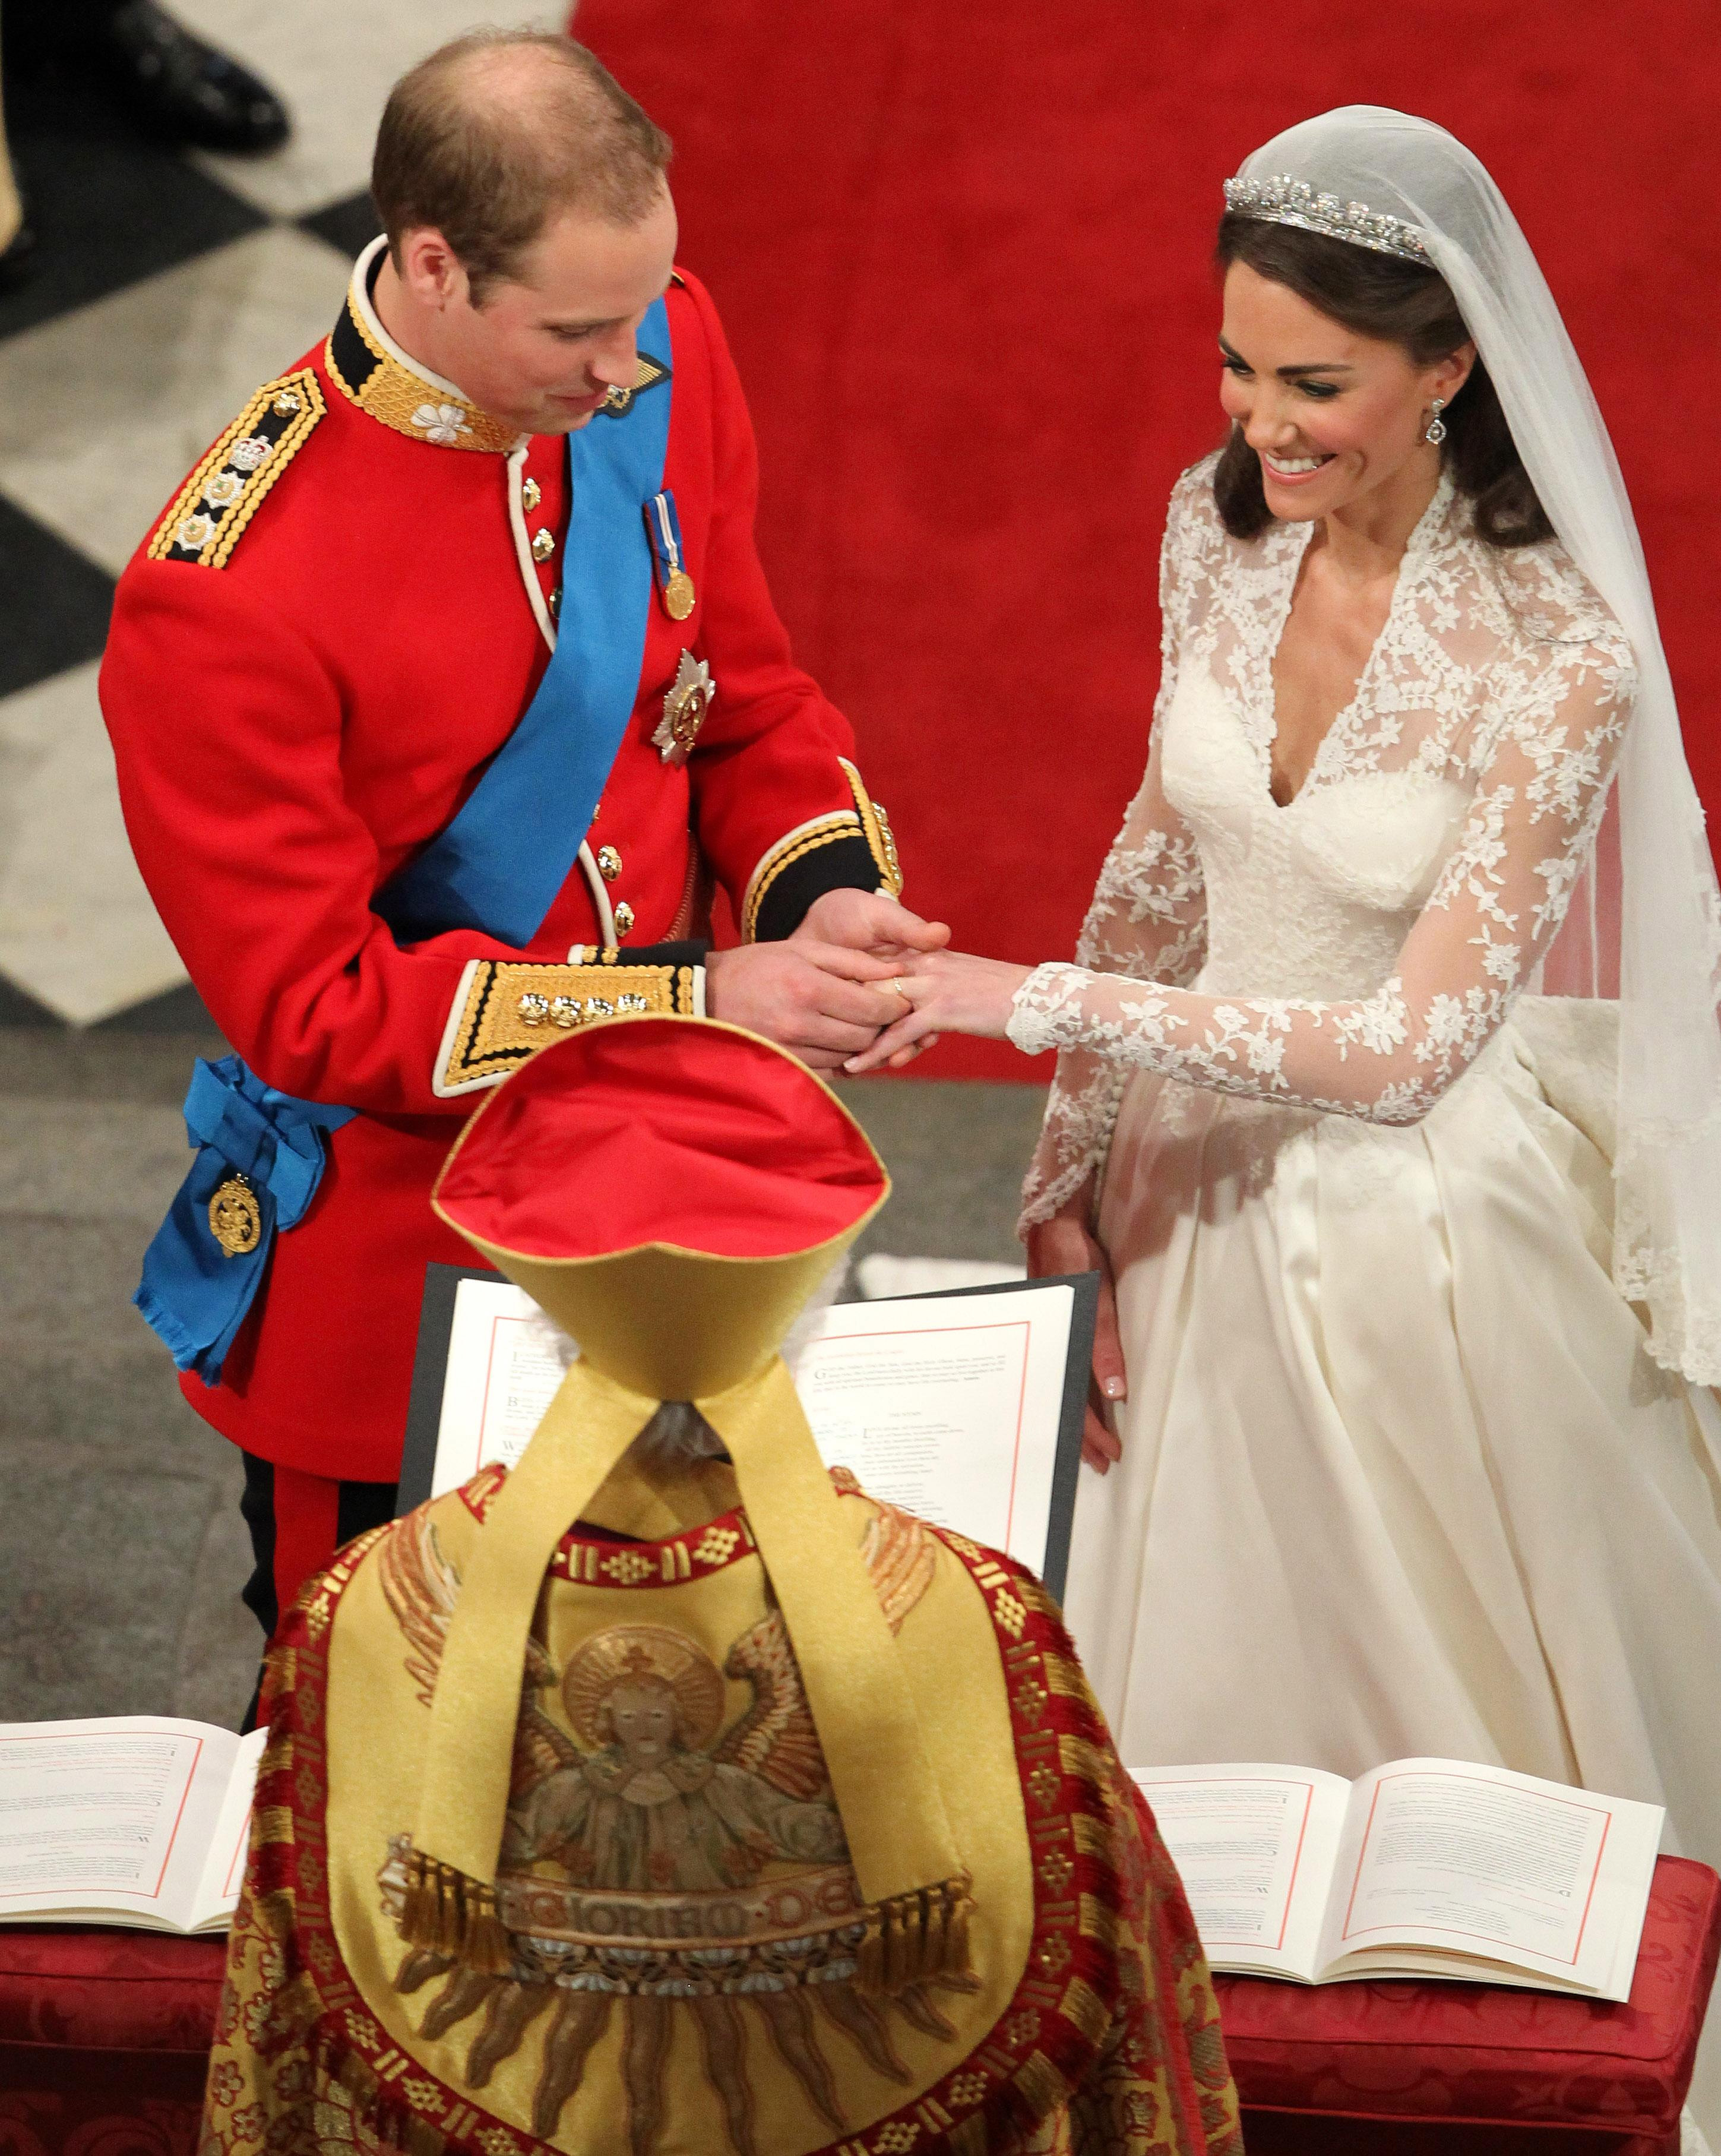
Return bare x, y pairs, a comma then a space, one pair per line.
1435, 431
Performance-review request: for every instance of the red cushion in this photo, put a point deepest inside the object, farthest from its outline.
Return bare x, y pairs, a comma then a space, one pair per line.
96, 2011
40, 2123
1416, 2050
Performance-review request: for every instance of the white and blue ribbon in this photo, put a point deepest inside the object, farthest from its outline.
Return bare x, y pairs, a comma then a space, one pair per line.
664, 529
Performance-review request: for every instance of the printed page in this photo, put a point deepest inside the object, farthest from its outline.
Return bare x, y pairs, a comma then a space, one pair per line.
1477, 1862
224, 1872
505, 1360
113, 1817
949, 1408
1254, 1846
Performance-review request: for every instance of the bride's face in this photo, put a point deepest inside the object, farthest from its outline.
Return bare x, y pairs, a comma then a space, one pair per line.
1332, 415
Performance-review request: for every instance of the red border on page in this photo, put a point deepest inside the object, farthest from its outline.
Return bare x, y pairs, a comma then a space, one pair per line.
1457, 1930
1022, 1325
501, 1318
1252, 1782
97, 1886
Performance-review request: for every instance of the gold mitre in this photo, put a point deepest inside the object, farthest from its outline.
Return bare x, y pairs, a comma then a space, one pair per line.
670, 1190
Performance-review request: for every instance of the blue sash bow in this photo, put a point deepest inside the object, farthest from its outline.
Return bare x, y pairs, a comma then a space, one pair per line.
193, 1292
496, 866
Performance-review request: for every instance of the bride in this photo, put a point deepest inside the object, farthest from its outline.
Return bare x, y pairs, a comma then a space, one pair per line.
1389, 1082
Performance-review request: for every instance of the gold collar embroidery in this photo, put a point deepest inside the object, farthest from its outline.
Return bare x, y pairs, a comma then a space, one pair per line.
378, 378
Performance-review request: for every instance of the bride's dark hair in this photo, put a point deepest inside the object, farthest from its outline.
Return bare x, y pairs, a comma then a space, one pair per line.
1399, 302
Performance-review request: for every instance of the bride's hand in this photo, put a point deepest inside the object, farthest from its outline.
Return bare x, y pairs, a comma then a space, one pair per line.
951, 992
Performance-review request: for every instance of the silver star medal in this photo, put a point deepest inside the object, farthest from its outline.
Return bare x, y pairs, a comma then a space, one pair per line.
684, 709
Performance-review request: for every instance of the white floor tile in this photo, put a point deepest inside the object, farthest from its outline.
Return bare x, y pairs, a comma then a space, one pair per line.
77, 930
334, 63
880, 1276
103, 411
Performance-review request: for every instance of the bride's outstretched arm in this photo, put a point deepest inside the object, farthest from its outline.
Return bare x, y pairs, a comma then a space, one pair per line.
1147, 922
1389, 1057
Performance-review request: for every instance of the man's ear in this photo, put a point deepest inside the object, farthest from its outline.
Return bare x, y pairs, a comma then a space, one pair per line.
428, 267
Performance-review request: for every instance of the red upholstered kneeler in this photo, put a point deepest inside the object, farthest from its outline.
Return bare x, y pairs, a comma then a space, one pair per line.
1410, 2068
105, 2039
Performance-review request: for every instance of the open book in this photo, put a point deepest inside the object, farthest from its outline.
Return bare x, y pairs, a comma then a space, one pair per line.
133, 1819
964, 1407
1425, 1867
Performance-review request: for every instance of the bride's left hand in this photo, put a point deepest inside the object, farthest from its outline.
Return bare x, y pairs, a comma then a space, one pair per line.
951, 992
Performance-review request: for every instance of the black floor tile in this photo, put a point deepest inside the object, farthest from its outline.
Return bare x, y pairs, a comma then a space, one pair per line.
109, 205
54, 604
179, 1010
348, 226
18, 1009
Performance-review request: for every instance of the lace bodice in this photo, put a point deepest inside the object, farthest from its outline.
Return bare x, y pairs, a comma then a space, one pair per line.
1353, 951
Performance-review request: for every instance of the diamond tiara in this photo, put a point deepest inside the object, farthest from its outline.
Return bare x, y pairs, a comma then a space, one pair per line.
1283, 200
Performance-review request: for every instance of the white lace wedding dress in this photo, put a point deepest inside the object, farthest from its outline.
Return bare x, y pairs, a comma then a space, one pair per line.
1398, 1476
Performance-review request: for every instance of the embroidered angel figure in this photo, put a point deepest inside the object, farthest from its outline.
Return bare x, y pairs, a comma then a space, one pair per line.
652, 1802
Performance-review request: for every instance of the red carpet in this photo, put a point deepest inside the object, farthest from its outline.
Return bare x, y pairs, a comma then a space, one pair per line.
961, 253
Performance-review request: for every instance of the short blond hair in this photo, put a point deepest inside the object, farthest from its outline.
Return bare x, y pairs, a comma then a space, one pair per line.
489, 170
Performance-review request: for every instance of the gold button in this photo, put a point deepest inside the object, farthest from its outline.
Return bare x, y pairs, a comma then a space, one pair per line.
285, 404
609, 862
543, 545
624, 918
531, 493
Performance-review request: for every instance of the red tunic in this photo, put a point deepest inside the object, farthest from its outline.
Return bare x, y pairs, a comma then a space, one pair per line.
298, 706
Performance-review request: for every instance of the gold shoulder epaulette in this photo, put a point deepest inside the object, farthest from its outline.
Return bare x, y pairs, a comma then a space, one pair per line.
221, 495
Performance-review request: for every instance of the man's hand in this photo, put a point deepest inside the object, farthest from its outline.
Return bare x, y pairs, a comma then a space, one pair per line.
812, 998
1063, 1245
869, 921
873, 921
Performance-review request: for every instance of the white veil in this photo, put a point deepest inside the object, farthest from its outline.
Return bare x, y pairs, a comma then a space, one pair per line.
1645, 923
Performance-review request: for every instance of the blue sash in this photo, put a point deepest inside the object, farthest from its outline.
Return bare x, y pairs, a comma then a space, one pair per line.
495, 867
499, 865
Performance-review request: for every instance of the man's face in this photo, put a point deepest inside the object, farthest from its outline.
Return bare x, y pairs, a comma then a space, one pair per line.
546, 347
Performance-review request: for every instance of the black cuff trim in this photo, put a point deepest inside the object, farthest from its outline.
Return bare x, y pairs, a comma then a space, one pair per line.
841, 863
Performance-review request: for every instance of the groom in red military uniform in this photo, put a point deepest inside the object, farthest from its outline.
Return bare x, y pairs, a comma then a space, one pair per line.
474, 577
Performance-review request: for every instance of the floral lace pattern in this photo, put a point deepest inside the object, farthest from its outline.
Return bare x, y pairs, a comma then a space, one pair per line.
1353, 951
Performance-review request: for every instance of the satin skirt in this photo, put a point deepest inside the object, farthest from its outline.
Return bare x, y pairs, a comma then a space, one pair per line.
1398, 1476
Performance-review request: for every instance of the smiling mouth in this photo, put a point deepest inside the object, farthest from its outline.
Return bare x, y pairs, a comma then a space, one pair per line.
1294, 467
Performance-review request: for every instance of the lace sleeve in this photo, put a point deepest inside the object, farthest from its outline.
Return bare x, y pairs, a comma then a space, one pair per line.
1147, 922
1501, 896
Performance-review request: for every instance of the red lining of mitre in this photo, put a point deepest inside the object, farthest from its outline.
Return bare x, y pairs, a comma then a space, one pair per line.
660, 1131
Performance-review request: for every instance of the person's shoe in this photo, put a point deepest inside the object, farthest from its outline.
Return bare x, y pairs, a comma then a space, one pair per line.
180, 86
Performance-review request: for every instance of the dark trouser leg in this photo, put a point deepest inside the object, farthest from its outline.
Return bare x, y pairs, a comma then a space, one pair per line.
297, 1523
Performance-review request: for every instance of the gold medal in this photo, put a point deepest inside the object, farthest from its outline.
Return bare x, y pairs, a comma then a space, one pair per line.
679, 596
235, 1218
